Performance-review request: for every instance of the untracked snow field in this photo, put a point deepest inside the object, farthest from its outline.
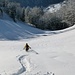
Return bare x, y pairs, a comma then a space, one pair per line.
51, 53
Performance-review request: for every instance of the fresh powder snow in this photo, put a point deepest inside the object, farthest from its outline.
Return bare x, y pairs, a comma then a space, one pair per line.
51, 53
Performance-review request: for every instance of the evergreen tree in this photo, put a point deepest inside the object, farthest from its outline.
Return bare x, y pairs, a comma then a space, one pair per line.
23, 14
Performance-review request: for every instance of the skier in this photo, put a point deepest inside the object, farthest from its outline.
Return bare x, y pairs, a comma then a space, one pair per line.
27, 47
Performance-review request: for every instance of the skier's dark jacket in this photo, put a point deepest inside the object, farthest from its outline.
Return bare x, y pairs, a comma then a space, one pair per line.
26, 47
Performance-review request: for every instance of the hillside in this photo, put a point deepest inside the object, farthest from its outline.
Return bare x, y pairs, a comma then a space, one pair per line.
56, 53
10, 30
56, 50
51, 53
33, 3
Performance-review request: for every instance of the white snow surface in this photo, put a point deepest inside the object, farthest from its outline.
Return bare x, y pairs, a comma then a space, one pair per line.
10, 30
53, 53
55, 7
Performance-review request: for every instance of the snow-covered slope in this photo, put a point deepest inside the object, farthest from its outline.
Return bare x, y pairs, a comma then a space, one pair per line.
49, 55
13, 31
56, 54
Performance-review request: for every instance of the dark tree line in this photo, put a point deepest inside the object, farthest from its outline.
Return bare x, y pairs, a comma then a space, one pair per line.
39, 18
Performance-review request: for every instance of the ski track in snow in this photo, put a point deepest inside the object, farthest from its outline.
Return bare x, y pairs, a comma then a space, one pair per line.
25, 65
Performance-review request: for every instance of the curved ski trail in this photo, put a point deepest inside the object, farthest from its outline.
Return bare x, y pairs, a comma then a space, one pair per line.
25, 65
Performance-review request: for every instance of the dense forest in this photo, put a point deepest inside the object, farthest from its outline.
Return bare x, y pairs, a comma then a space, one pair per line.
62, 18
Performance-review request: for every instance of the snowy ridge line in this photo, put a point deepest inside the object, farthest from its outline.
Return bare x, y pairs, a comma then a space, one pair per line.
56, 32
60, 31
